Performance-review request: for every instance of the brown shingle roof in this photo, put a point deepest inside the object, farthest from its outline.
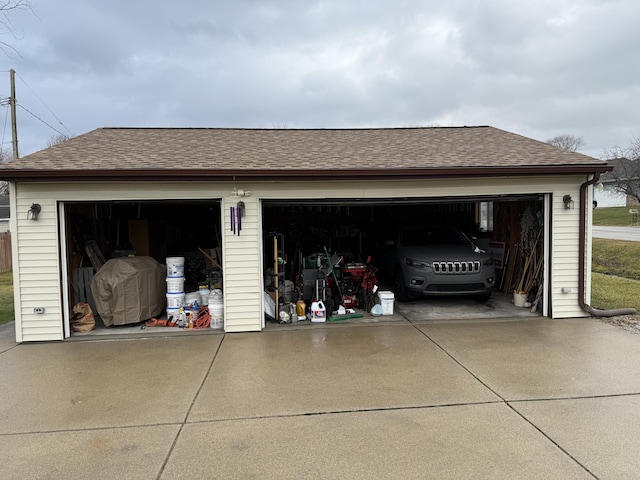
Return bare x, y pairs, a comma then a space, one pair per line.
151, 152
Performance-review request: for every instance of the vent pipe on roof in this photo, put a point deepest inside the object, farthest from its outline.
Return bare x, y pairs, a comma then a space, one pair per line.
582, 257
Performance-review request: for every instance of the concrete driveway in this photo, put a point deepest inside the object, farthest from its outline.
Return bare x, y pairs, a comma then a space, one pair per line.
526, 398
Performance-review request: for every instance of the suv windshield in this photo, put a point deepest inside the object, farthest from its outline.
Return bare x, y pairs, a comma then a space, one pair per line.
432, 236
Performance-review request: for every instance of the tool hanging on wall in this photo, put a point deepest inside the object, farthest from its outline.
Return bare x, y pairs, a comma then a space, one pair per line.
236, 214
278, 270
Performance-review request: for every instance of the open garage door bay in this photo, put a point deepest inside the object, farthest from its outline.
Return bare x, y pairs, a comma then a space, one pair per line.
319, 243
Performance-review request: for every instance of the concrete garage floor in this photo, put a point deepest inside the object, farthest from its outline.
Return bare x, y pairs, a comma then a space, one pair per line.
438, 309
453, 309
435, 309
534, 399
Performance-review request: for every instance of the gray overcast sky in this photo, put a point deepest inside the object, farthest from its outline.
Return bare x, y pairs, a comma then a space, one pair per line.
537, 68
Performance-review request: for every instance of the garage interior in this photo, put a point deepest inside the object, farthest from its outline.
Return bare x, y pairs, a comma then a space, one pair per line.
100, 231
298, 235
351, 235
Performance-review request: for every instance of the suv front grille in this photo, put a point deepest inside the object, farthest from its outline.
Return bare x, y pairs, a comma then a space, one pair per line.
456, 267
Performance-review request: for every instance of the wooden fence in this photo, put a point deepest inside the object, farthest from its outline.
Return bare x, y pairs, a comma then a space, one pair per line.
6, 264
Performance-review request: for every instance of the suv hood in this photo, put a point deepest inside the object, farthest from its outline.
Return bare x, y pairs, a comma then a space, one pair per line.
443, 252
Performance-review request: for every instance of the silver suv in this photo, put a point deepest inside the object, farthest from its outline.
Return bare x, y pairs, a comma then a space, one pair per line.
437, 261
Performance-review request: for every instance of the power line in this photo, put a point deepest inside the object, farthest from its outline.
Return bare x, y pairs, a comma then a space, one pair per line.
4, 130
38, 118
45, 106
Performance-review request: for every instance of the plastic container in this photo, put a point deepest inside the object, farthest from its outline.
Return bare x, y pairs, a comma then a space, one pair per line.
191, 298
175, 266
519, 299
191, 315
175, 300
175, 284
301, 308
386, 302
318, 312
204, 296
216, 308
173, 313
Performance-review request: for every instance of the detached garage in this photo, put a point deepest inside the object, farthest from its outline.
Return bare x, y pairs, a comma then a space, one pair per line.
247, 210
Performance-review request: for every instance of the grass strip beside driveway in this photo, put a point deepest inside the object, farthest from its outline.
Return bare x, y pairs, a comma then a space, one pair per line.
616, 257
609, 292
7, 313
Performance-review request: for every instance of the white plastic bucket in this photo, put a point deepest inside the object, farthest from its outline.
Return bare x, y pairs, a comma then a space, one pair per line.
173, 313
204, 296
175, 266
318, 312
175, 300
191, 298
519, 299
175, 284
386, 302
216, 308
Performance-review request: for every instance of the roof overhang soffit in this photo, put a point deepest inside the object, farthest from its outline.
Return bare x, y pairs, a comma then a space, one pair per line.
295, 174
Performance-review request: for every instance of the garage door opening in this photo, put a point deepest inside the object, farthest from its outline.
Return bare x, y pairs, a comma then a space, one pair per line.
97, 232
311, 247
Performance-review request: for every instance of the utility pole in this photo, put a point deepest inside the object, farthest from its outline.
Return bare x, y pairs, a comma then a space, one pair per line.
12, 101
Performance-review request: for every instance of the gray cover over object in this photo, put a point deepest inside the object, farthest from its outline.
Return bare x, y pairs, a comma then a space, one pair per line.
129, 290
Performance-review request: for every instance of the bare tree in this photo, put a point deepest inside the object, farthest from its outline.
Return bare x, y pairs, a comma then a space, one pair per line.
625, 176
573, 143
56, 139
7, 27
5, 157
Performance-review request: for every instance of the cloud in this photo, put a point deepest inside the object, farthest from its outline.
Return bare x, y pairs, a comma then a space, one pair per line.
537, 68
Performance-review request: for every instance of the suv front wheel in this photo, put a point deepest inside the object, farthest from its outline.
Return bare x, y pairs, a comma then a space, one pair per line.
401, 291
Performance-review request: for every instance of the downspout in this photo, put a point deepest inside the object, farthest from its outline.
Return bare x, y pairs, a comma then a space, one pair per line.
582, 249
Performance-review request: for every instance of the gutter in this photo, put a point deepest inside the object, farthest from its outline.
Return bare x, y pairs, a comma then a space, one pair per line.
582, 256
314, 174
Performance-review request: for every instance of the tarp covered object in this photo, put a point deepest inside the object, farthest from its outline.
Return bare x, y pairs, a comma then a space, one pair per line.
129, 290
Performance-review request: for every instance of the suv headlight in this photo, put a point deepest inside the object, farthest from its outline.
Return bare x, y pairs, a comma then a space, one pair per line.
416, 263
487, 262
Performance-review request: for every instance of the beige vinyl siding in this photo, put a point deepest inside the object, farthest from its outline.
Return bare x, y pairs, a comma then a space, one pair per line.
37, 262
242, 261
565, 244
36, 266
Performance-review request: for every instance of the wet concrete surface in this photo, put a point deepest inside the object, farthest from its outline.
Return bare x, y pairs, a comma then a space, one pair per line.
513, 398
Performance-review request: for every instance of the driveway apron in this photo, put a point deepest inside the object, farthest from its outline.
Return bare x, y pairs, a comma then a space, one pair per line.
530, 399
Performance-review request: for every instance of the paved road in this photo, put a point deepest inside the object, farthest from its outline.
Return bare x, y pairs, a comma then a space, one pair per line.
631, 234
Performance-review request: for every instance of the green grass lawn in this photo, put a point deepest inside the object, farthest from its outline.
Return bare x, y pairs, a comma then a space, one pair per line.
613, 216
6, 297
615, 282
608, 292
616, 257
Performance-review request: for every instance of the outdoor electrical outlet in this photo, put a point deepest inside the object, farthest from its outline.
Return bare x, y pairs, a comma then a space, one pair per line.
38, 310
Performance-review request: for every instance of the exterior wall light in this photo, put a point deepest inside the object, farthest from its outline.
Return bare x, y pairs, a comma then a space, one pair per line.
32, 213
568, 202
